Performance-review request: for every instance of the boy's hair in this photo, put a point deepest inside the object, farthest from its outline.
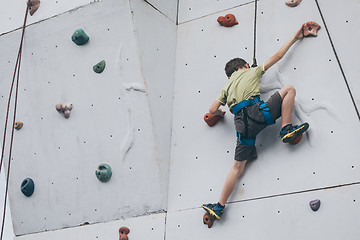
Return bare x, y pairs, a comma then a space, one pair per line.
233, 65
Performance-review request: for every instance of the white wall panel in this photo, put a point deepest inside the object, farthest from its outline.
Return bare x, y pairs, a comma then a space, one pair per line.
166, 7
12, 13
110, 123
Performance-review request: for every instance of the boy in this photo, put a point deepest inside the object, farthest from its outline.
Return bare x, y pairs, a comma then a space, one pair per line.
241, 94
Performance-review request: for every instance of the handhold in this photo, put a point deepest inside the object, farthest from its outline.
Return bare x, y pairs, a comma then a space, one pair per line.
315, 204
103, 172
27, 187
208, 219
296, 140
33, 5
310, 29
228, 21
123, 232
64, 109
79, 37
18, 125
99, 67
67, 113
293, 3
211, 119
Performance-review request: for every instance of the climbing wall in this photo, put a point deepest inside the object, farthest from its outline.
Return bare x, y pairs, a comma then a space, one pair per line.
274, 193
111, 121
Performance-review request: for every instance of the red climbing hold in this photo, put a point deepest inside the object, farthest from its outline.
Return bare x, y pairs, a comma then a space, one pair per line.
310, 29
211, 119
228, 21
123, 232
208, 219
293, 3
33, 5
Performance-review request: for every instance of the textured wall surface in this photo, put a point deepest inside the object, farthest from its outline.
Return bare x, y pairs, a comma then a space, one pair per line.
166, 77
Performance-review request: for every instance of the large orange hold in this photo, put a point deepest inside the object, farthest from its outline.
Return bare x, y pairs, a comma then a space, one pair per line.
211, 119
310, 29
228, 21
296, 140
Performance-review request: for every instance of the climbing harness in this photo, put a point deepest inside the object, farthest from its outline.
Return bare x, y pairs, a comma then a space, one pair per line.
263, 106
254, 58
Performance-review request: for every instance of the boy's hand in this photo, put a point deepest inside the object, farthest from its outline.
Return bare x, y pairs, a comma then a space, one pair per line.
300, 33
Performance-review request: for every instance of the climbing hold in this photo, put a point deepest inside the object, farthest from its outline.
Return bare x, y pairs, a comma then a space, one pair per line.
64, 109
79, 37
99, 67
208, 219
103, 172
228, 21
27, 187
315, 204
296, 140
33, 5
123, 232
310, 29
211, 119
293, 3
18, 125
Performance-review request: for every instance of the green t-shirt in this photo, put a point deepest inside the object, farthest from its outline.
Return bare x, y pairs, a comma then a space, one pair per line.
242, 85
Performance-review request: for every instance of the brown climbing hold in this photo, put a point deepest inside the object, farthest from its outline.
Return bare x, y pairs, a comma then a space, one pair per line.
293, 3
296, 140
208, 219
211, 119
310, 29
33, 5
123, 232
228, 21
18, 125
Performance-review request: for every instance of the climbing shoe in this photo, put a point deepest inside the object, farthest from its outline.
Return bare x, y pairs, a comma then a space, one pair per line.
289, 132
215, 210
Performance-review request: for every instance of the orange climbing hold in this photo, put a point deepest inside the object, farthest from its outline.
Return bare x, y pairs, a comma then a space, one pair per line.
228, 21
208, 219
18, 125
296, 140
33, 5
123, 232
211, 119
310, 29
293, 3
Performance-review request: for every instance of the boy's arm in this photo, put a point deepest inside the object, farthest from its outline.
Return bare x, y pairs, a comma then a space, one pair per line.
214, 108
280, 54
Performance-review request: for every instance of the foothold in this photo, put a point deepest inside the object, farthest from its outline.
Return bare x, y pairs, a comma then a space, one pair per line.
18, 125
315, 204
99, 67
228, 21
310, 29
208, 219
293, 3
64, 109
103, 172
33, 5
296, 140
79, 37
123, 232
27, 187
212, 119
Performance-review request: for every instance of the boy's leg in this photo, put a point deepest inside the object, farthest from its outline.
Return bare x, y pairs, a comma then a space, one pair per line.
288, 94
230, 182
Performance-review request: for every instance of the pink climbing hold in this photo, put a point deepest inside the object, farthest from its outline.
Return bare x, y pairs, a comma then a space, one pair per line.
123, 232
293, 3
33, 5
310, 29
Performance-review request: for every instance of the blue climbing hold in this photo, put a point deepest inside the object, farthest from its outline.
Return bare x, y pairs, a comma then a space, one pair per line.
103, 172
315, 204
79, 37
27, 187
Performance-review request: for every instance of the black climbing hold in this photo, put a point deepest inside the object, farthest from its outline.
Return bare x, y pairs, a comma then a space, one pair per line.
27, 187
315, 204
79, 37
99, 67
103, 172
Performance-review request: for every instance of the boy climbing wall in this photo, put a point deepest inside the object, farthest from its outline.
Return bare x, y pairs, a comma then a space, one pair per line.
251, 115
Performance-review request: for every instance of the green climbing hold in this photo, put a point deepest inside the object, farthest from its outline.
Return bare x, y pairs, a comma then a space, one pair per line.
27, 187
103, 172
99, 68
79, 37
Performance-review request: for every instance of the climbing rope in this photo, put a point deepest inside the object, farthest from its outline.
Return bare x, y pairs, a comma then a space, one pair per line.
255, 16
17, 75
